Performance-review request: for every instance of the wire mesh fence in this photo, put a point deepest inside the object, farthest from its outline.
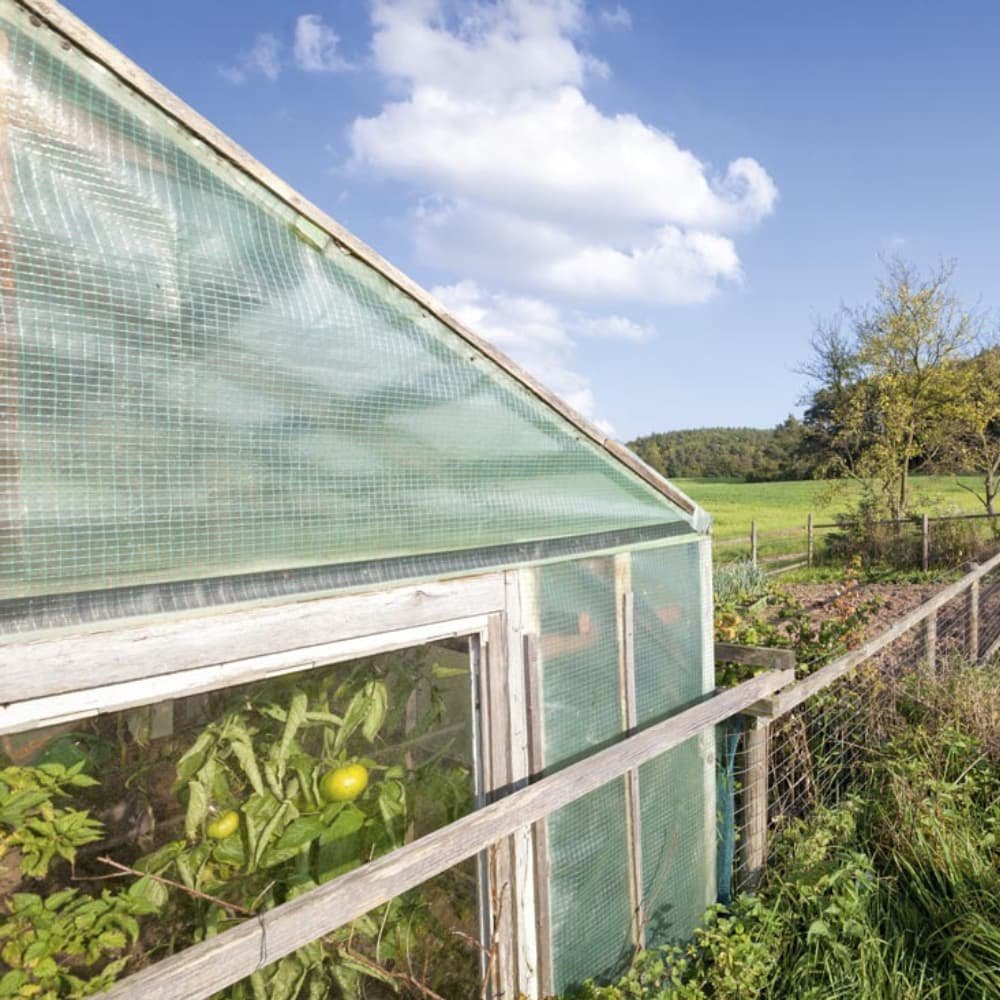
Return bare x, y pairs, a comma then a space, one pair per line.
812, 745
914, 542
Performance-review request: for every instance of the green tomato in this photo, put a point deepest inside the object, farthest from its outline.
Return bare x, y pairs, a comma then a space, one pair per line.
224, 826
344, 784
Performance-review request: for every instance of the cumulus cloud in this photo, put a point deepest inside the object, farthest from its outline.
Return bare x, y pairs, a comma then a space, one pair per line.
264, 59
317, 46
613, 327
495, 125
525, 183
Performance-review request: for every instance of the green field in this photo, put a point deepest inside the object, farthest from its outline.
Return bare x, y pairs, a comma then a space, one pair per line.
786, 506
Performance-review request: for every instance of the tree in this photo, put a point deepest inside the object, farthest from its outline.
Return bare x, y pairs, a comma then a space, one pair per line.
887, 385
975, 419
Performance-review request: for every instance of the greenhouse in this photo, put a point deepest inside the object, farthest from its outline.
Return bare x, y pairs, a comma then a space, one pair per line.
336, 653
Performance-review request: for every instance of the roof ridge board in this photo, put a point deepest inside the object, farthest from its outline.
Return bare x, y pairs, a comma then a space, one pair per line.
61, 20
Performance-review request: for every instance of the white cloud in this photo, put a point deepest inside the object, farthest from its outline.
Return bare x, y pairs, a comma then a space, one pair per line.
316, 46
264, 59
613, 327
523, 183
617, 18
495, 125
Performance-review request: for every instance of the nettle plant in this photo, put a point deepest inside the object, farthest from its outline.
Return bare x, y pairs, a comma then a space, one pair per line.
64, 943
293, 786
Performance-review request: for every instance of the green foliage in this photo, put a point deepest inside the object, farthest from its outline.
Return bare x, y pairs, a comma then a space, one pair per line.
894, 894
64, 943
890, 384
777, 620
68, 943
35, 830
740, 582
264, 759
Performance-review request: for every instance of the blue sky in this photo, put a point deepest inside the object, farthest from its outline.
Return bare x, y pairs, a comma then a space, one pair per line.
648, 204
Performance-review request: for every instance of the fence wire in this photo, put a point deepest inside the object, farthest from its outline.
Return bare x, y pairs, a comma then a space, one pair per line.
818, 753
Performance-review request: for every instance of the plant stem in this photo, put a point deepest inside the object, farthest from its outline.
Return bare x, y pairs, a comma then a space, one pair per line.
234, 907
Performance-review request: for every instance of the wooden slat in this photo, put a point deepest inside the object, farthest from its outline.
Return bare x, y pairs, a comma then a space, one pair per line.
524, 915
753, 843
972, 632
55, 709
625, 615
539, 830
212, 965
116, 653
86, 39
497, 756
930, 643
836, 669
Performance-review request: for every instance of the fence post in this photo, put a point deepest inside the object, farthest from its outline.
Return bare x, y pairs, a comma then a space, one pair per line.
972, 639
809, 541
753, 846
930, 642
753, 542
925, 561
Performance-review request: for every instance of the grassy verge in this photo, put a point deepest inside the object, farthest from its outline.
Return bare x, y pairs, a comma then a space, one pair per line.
785, 506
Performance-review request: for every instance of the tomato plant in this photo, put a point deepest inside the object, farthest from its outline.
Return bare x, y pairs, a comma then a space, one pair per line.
295, 784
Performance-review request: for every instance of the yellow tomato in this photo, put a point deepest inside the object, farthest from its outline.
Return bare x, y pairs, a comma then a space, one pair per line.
224, 826
344, 784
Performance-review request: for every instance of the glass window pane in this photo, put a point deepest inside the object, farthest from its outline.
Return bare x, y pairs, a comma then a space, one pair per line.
236, 801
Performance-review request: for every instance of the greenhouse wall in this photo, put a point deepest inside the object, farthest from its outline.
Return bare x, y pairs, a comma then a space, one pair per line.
272, 523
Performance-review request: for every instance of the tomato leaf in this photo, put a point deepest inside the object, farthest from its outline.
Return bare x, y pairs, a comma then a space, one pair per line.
197, 808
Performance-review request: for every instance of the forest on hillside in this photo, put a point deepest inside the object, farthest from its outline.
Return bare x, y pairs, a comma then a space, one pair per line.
751, 454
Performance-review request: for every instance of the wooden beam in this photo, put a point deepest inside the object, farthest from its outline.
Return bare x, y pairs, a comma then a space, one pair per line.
930, 643
972, 635
113, 653
524, 916
755, 656
212, 965
753, 844
55, 709
539, 830
625, 620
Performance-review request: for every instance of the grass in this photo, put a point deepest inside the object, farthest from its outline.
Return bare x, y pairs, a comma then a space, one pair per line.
786, 506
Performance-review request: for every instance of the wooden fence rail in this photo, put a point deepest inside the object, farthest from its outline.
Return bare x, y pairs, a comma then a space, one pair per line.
771, 709
807, 532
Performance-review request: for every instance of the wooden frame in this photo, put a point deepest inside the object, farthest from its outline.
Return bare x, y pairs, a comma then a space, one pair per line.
212, 965
230, 643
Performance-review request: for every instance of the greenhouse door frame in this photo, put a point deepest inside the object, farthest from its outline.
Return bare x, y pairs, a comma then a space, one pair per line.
62, 677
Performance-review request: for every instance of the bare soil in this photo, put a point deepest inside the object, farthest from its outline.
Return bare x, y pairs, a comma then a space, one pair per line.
894, 599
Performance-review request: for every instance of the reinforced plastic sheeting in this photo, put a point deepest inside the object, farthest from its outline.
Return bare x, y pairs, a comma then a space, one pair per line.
199, 383
601, 869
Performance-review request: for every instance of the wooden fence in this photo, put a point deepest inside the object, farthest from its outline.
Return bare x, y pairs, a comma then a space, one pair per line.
826, 711
797, 546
